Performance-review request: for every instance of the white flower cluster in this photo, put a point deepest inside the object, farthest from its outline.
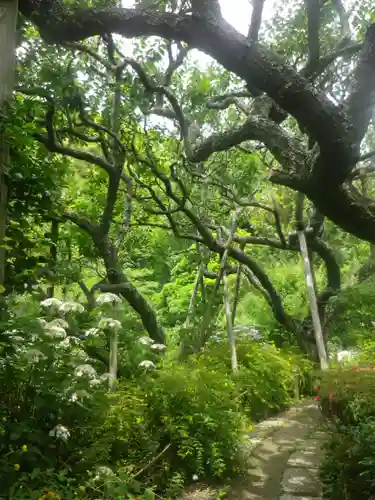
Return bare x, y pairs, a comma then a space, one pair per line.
34, 355
68, 307
151, 343
85, 371
158, 347
51, 303
80, 354
79, 395
109, 324
147, 364
60, 432
62, 307
103, 472
65, 344
145, 341
108, 298
54, 332
92, 332
101, 380
61, 323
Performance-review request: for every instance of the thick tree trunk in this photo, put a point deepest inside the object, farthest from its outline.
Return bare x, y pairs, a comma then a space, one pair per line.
115, 277
8, 20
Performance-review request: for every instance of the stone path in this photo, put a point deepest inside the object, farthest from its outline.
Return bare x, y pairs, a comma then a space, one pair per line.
285, 453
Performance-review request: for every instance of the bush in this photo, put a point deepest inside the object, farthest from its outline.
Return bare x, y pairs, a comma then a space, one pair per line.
62, 435
348, 398
190, 414
267, 378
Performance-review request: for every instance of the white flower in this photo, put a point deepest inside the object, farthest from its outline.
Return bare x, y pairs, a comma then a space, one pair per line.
61, 323
105, 377
85, 371
158, 347
67, 307
11, 332
109, 324
94, 382
145, 341
92, 332
80, 394
53, 303
108, 298
34, 355
195, 477
17, 339
81, 354
103, 472
60, 432
54, 332
146, 364
65, 343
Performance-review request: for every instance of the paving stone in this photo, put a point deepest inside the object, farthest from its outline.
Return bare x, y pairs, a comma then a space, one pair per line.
323, 435
293, 497
301, 481
305, 458
284, 454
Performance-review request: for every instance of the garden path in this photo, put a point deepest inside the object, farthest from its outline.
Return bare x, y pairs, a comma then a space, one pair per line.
285, 452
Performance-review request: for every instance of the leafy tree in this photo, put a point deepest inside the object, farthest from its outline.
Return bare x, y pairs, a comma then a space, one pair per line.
324, 174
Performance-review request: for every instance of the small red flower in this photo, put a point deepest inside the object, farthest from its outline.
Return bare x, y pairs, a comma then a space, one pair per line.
330, 396
317, 398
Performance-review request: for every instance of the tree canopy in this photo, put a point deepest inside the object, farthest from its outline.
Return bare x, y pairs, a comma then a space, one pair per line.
336, 128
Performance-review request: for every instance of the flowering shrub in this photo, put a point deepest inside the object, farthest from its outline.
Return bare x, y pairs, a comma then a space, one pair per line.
63, 435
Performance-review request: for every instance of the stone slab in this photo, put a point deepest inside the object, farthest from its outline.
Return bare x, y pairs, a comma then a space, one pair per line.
301, 481
305, 458
293, 497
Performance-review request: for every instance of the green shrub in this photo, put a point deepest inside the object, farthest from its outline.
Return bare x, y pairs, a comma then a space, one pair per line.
348, 398
267, 376
63, 436
189, 414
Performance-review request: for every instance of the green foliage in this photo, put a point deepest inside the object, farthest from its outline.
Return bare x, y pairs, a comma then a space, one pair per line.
62, 435
191, 413
352, 314
348, 469
267, 378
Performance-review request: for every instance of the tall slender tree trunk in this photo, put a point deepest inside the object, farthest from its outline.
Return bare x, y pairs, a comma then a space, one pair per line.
53, 255
230, 331
237, 286
113, 360
322, 353
8, 22
205, 330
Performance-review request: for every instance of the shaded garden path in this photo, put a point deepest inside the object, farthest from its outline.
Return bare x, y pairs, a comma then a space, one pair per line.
285, 456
